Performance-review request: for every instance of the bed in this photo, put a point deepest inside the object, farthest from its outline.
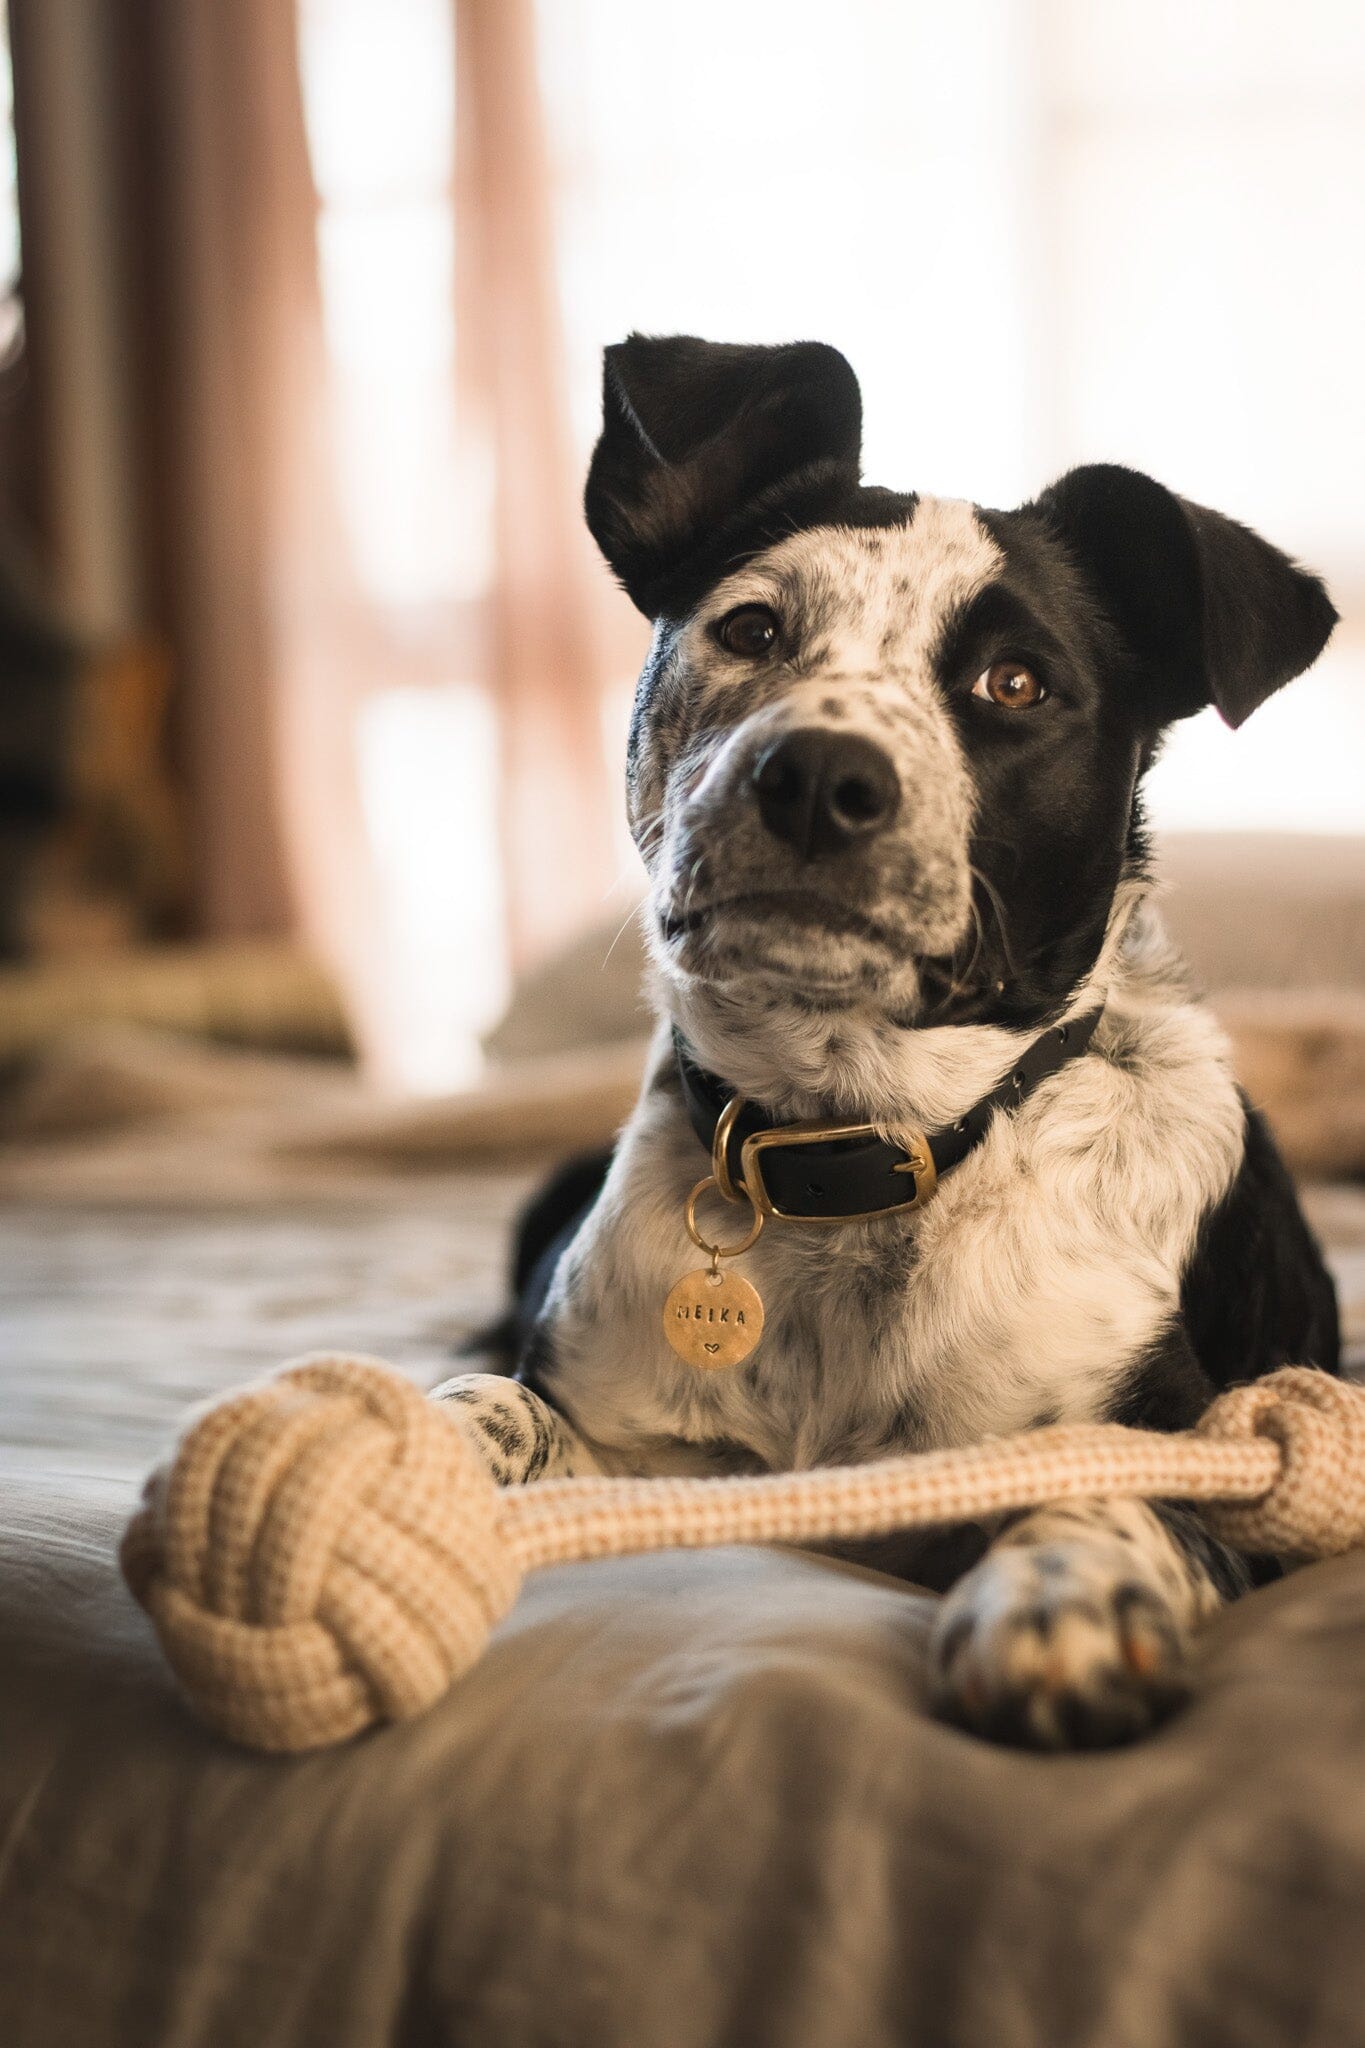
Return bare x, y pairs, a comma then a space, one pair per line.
683, 1800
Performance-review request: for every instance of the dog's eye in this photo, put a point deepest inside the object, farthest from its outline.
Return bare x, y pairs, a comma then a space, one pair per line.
751, 631
1011, 684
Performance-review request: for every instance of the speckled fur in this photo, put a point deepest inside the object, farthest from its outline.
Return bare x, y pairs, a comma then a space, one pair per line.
867, 609
519, 1437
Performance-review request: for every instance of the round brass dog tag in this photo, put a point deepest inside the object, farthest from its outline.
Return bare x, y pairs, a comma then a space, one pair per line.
713, 1319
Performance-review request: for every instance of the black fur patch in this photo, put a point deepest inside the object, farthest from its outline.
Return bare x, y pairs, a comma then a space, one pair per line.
1166, 1388
553, 1214
1228, 1572
710, 451
536, 1361
1212, 613
546, 1226
1064, 778
1257, 1293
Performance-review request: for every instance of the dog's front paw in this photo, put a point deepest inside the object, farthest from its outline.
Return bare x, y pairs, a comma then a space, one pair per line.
518, 1436
1057, 1647
503, 1423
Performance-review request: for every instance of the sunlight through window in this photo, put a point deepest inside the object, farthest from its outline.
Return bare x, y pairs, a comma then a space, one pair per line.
429, 805
415, 495
379, 98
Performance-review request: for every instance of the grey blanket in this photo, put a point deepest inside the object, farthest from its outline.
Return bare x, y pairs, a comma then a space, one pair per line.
685, 1801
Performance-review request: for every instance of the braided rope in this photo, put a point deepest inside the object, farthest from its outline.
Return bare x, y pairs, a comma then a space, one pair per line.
326, 1549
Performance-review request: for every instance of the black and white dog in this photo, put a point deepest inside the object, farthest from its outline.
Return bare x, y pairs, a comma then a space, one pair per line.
884, 772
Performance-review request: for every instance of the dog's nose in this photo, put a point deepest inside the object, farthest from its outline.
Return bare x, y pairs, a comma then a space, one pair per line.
821, 790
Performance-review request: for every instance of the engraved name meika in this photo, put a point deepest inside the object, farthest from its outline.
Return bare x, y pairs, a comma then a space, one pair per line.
702, 1314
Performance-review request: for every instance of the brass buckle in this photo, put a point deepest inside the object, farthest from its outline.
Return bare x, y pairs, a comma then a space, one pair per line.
920, 1163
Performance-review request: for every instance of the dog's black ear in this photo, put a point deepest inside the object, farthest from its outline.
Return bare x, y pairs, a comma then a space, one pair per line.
1214, 614
695, 433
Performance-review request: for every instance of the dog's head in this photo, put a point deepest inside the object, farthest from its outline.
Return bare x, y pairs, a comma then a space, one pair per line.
886, 748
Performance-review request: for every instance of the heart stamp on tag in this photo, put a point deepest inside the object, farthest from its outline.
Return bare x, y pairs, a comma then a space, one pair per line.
713, 1319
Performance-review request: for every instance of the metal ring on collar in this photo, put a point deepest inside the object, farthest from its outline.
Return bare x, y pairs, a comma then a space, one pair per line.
718, 1251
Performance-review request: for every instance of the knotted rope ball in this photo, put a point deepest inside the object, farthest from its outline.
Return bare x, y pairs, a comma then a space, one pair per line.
323, 1552
327, 1550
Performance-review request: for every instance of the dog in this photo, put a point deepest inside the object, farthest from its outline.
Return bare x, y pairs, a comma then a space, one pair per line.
885, 772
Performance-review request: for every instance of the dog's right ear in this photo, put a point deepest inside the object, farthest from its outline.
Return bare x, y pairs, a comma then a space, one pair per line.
1214, 614
696, 434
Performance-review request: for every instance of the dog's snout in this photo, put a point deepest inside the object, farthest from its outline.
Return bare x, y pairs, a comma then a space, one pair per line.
819, 791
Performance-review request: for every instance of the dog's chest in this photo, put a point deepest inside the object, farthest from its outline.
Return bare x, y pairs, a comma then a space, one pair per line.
1046, 1263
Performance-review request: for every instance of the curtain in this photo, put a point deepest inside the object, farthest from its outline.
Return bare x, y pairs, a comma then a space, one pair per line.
544, 652
399, 758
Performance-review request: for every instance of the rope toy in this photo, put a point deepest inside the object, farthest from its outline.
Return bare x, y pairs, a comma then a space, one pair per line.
325, 1549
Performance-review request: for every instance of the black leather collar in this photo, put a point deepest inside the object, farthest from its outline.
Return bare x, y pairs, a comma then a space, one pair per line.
842, 1172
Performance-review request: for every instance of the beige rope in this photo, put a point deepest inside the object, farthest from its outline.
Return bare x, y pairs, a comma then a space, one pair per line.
326, 1549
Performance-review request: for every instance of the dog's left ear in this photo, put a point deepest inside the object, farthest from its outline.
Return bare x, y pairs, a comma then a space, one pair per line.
1213, 613
697, 434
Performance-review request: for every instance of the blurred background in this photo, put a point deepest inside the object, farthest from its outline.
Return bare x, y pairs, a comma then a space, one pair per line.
312, 692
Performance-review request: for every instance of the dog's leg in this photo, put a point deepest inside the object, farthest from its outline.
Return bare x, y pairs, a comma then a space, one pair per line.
519, 1436
1073, 1630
